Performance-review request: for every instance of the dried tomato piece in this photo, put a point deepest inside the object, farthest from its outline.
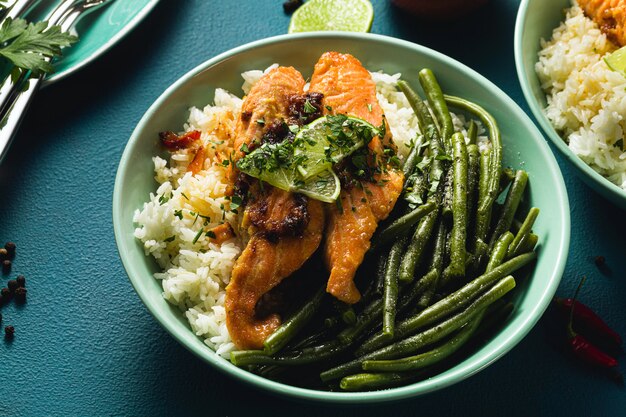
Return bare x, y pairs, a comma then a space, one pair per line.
172, 141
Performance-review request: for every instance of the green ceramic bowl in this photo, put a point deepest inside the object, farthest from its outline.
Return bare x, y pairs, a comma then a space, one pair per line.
524, 147
535, 20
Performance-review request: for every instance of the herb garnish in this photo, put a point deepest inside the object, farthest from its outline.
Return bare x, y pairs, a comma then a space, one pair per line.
31, 46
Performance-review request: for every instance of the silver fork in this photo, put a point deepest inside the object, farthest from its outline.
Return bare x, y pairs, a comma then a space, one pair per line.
18, 8
66, 15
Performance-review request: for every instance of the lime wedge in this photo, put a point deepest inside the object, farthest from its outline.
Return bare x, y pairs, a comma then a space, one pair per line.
342, 15
274, 164
617, 61
328, 140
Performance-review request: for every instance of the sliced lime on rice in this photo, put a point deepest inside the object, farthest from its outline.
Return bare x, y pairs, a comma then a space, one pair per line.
617, 61
328, 140
342, 15
274, 165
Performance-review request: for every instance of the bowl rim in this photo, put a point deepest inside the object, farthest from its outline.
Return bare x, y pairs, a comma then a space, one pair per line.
457, 374
605, 187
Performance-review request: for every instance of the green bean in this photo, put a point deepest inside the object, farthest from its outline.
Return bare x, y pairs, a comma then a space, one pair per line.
390, 295
303, 356
513, 198
473, 168
412, 159
495, 163
448, 196
402, 225
498, 254
435, 264
432, 335
348, 316
528, 243
523, 231
431, 357
449, 304
483, 218
429, 130
364, 321
472, 132
419, 240
381, 266
371, 381
459, 208
506, 178
294, 324
409, 296
435, 97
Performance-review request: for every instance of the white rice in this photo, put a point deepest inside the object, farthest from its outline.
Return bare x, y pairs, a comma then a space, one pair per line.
195, 275
586, 101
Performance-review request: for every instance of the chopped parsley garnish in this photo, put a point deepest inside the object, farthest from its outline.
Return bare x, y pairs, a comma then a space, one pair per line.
183, 194
369, 107
211, 234
260, 121
179, 214
308, 107
195, 239
225, 162
170, 239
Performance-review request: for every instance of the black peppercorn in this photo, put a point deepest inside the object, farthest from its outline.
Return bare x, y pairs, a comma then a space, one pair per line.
4, 254
9, 331
12, 284
21, 281
10, 247
6, 266
20, 294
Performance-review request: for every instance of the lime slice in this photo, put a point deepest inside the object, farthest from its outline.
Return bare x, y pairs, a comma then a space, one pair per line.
324, 187
342, 15
617, 61
273, 163
328, 140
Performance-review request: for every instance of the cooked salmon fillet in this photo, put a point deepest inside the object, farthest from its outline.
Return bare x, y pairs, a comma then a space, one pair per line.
348, 89
267, 259
284, 228
610, 15
267, 102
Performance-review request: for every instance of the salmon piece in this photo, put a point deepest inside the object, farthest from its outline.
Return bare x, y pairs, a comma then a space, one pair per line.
348, 89
284, 228
264, 263
610, 15
267, 101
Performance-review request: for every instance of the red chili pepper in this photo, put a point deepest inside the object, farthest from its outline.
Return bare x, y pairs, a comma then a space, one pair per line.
589, 353
581, 347
172, 141
586, 319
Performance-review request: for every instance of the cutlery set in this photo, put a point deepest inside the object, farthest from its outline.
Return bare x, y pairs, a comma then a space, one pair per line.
17, 94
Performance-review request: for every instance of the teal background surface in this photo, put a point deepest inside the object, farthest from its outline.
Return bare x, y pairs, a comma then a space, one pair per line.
86, 346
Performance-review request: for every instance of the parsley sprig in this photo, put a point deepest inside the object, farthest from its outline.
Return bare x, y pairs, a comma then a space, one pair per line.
31, 46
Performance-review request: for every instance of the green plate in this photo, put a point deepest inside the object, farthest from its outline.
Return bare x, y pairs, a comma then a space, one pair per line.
98, 32
524, 148
535, 20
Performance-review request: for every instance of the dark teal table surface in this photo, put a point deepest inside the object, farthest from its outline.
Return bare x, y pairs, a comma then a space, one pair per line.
86, 346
